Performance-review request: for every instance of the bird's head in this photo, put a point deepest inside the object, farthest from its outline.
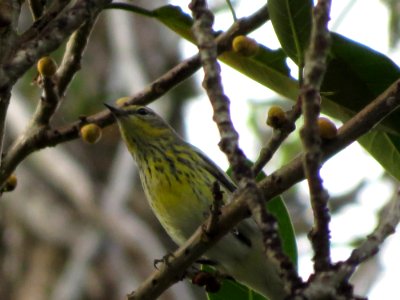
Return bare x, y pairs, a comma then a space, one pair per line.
140, 124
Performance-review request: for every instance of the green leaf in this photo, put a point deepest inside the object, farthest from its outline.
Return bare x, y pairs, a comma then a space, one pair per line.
292, 20
268, 68
385, 148
233, 290
174, 18
355, 76
278, 209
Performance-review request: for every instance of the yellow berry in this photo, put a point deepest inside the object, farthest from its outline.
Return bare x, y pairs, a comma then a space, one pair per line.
91, 133
276, 116
46, 66
122, 101
10, 184
244, 45
327, 129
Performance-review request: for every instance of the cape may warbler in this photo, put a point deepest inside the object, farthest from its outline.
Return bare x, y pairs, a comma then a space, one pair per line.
177, 179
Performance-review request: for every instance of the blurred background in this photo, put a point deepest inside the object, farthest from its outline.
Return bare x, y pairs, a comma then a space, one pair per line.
78, 225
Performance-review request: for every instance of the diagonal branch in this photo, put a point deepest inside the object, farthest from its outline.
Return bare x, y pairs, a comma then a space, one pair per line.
75, 48
387, 226
204, 34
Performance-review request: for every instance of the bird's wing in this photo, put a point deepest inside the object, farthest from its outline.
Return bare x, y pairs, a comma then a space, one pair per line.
217, 172
244, 232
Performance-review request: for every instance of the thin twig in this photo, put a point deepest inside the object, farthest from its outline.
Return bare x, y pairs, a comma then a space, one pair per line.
315, 66
243, 26
279, 135
54, 9
47, 105
387, 226
232, 9
71, 62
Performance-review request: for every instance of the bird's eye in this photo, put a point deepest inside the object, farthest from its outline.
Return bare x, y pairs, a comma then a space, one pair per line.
143, 111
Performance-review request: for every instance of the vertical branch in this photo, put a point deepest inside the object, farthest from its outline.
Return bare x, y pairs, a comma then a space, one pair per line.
315, 66
202, 30
47, 105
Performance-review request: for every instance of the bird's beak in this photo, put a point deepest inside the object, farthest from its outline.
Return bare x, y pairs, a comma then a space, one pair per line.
117, 112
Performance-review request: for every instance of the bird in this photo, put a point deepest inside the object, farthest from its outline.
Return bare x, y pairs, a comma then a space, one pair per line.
177, 179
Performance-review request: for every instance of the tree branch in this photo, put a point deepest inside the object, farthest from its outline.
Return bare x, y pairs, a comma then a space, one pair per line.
387, 226
204, 34
314, 70
278, 136
71, 62
47, 105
